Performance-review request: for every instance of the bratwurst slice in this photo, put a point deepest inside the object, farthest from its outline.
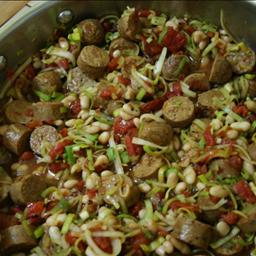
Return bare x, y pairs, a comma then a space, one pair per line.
93, 61
15, 239
44, 136
179, 111
28, 188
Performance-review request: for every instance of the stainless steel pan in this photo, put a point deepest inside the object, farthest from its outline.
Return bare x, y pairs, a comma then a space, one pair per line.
28, 32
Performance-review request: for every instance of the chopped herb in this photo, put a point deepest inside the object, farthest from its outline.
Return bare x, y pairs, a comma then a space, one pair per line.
201, 143
125, 157
111, 154
69, 155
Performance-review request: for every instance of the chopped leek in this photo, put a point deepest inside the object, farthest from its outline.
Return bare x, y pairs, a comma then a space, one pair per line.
39, 231
160, 62
162, 34
125, 157
67, 223
69, 155
201, 143
117, 162
63, 204
42, 96
111, 154
141, 94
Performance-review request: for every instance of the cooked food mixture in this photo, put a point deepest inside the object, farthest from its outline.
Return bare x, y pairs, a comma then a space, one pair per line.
131, 135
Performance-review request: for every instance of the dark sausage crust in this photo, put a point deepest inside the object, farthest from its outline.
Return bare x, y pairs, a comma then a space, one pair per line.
179, 111
92, 32
124, 46
47, 82
93, 61
15, 239
197, 82
156, 132
193, 232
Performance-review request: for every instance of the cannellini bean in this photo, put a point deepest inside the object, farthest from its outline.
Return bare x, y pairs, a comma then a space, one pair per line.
92, 181
180, 187
216, 124
202, 44
63, 43
229, 119
189, 175
58, 122
104, 137
51, 220
144, 187
223, 228
106, 173
116, 53
251, 105
61, 218
83, 114
70, 122
218, 191
75, 168
67, 100
130, 94
160, 251
186, 147
136, 122
248, 167
232, 134
84, 214
199, 36
84, 101
92, 129
102, 126
241, 126
85, 199
141, 213
176, 142
101, 160
182, 247
70, 183
168, 247
200, 186
172, 179
54, 234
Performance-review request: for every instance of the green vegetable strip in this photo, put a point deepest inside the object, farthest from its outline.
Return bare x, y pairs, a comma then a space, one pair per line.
141, 94
67, 223
111, 154
42, 96
90, 159
70, 155
125, 157
39, 231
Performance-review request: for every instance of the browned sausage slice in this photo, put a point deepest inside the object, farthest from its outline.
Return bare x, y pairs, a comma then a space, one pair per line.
126, 47
77, 80
159, 133
128, 191
242, 61
5, 185
28, 188
93, 61
19, 111
42, 137
179, 111
193, 232
174, 66
16, 138
47, 111
47, 82
15, 239
129, 26
197, 82
206, 103
6, 157
221, 70
147, 167
92, 31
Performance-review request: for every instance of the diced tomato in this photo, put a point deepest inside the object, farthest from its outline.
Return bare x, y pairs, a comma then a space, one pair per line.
151, 49
35, 209
64, 132
70, 239
121, 127
35, 220
214, 199
241, 110
113, 64
56, 167
34, 123
63, 63
30, 72
136, 208
174, 40
107, 92
236, 162
27, 155
243, 189
231, 218
75, 107
138, 240
91, 193
132, 149
177, 204
143, 12
104, 243
59, 148
208, 136
80, 185
123, 80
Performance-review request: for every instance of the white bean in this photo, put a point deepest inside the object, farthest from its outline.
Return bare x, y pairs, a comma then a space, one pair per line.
67, 100
248, 167
136, 122
218, 191
84, 214
198, 36
70, 122
61, 218
216, 124
241, 126
70, 183
84, 101
130, 94
63, 42
116, 53
202, 44
200, 186
101, 160
251, 105
106, 173
186, 147
172, 179
141, 213
104, 137
168, 247
92, 181
180, 187
58, 122
232, 134
160, 251
102, 126
54, 234
223, 228
75, 168
144, 187
92, 129
189, 175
